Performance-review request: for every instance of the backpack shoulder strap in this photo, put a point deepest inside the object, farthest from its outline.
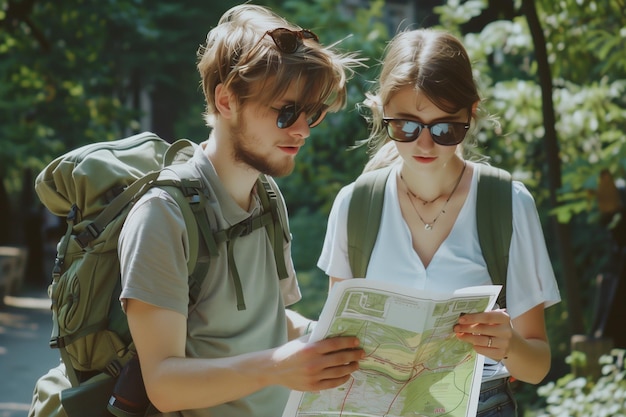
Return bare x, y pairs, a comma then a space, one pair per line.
278, 230
115, 207
187, 190
494, 218
180, 151
364, 213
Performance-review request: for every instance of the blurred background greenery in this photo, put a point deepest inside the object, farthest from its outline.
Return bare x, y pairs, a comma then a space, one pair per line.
553, 72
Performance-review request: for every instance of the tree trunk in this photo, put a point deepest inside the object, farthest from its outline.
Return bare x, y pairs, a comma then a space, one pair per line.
562, 231
6, 233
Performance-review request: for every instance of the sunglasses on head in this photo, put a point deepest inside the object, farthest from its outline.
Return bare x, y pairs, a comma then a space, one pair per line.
443, 133
288, 41
289, 113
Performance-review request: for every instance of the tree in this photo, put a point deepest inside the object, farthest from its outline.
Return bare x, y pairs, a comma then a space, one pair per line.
562, 231
75, 74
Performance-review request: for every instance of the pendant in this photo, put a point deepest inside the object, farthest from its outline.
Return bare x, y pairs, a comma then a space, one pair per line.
428, 226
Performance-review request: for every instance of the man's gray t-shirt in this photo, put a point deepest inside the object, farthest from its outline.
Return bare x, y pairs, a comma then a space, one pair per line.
153, 249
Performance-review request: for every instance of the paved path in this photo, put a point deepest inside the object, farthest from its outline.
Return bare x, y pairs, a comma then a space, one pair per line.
25, 325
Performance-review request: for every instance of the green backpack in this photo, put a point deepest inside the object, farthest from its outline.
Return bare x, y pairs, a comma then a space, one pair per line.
94, 187
493, 216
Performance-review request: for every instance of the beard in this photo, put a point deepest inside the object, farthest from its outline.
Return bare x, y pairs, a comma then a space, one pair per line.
245, 147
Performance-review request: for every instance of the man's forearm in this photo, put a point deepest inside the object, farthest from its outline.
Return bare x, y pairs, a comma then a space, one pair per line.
297, 324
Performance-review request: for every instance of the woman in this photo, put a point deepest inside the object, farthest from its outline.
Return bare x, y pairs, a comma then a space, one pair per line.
420, 115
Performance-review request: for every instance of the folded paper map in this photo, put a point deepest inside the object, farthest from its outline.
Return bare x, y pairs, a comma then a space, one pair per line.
414, 365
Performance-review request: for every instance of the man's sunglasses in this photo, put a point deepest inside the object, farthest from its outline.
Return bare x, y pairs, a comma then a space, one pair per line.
288, 41
443, 133
289, 113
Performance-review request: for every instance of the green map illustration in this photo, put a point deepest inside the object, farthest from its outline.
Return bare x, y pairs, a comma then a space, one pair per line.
415, 366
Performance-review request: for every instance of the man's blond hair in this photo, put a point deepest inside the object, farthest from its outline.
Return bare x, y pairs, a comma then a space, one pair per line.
240, 54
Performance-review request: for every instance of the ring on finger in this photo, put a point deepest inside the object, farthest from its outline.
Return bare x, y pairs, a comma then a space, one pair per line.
489, 342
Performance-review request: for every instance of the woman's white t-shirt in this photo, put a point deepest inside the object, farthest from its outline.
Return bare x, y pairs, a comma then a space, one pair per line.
458, 262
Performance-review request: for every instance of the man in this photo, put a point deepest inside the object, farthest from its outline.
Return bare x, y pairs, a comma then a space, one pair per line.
266, 84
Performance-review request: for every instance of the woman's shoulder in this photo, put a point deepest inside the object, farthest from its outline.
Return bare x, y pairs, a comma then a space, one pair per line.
519, 189
342, 201
522, 197
369, 181
341, 205
345, 193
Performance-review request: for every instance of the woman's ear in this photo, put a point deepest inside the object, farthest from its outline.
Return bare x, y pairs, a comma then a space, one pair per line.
475, 108
224, 101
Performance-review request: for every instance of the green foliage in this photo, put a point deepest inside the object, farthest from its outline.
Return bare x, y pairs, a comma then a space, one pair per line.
582, 397
314, 287
586, 38
588, 96
308, 229
74, 75
58, 76
454, 13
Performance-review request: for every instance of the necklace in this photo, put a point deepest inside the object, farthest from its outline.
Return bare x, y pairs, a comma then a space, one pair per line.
417, 197
409, 193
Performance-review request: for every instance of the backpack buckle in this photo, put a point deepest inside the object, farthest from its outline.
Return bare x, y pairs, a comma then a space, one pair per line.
90, 233
57, 343
113, 368
194, 199
56, 269
73, 213
190, 186
243, 228
247, 227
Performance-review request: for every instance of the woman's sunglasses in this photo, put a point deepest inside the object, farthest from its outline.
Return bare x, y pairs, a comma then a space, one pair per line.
289, 113
443, 133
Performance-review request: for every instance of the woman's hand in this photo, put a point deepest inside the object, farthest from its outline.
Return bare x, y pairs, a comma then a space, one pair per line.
490, 332
521, 342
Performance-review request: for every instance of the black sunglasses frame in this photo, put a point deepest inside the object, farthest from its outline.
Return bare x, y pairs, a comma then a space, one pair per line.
289, 114
288, 41
421, 126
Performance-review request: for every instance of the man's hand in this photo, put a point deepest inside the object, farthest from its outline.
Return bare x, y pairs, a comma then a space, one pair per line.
315, 366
